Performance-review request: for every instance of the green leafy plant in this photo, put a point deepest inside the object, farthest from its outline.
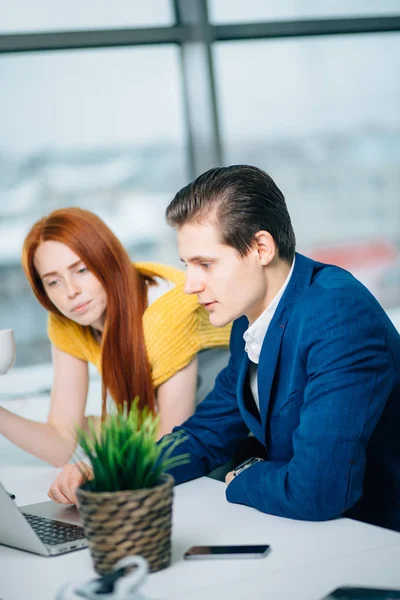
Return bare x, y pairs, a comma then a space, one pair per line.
125, 454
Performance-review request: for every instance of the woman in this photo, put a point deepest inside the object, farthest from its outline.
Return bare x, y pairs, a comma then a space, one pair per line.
105, 310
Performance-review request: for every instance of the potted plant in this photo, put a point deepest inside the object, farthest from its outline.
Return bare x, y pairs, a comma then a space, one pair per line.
126, 508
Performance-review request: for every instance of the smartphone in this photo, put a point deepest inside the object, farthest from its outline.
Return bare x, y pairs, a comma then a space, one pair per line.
357, 593
206, 552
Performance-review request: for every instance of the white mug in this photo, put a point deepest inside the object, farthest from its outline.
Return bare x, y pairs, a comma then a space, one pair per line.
7, 350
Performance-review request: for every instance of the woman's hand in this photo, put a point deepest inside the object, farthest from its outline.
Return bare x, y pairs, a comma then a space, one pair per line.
63, 488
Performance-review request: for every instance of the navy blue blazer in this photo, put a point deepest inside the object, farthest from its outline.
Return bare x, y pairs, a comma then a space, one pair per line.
329, 392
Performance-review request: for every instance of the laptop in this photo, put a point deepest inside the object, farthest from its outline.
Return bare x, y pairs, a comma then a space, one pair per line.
45, 528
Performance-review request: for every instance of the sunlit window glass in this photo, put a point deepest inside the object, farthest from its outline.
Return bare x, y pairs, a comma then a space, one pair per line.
102, 130
322, 117
236, 11
56, 15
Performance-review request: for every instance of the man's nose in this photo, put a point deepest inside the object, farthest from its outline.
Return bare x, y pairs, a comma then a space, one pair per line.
193, 284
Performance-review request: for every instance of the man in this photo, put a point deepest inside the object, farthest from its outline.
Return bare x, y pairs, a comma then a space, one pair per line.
314, 371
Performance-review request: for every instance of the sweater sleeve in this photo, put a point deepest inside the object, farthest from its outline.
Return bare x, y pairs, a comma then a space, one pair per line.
175, 330
67, 336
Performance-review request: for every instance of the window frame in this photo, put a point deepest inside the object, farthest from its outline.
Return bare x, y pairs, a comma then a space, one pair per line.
194, 34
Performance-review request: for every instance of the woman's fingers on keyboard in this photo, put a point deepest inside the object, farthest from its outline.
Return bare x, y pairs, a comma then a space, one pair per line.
55, 492
77, 475
63, 488
57, 496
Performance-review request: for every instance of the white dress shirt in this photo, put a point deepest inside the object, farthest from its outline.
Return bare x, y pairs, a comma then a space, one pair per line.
255, 334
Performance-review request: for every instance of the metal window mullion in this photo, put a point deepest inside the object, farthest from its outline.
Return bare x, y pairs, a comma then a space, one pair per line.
71, 40
189, 28
309, 27
203, 138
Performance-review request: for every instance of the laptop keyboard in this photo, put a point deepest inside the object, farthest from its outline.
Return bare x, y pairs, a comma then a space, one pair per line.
54, 532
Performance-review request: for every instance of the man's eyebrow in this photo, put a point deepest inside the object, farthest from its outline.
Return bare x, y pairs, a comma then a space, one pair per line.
50, 273
194, 259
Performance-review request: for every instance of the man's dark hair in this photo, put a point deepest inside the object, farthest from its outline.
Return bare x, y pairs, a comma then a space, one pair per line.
241, 200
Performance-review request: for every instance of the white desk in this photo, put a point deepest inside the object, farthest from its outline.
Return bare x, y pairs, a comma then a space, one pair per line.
307, 559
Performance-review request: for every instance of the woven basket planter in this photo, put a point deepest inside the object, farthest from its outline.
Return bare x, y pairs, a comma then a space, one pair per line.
123, 523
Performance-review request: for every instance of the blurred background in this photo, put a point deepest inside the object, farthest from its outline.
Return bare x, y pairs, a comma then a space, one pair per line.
113, 106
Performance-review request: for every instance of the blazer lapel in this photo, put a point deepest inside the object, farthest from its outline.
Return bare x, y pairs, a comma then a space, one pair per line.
299, 282
266, 368
251, 421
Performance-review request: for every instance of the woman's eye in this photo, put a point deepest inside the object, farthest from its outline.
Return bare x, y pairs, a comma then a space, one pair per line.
83, 270
205, 265
51, 283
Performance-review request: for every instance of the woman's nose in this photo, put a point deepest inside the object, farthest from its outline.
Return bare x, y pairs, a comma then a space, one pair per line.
73, 289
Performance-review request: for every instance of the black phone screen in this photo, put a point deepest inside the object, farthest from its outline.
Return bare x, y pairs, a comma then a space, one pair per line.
242, 551
355, 593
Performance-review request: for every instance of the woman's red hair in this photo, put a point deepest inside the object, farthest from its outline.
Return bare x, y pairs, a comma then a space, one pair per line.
125, 367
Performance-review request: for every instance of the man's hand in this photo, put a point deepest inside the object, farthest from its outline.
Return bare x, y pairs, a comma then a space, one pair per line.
63, 488
228, 477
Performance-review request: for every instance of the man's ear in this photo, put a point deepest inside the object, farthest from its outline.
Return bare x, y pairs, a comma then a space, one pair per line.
265, 246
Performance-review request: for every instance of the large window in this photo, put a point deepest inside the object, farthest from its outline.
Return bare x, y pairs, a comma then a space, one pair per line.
322, 117
115, 106
100, 129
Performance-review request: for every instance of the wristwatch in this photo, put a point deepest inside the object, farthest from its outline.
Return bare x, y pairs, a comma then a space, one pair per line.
246, 464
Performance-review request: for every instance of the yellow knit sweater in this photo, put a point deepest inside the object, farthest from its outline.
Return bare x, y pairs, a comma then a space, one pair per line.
175, 327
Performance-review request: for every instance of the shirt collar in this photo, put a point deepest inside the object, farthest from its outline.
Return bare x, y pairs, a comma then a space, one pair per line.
255, 334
